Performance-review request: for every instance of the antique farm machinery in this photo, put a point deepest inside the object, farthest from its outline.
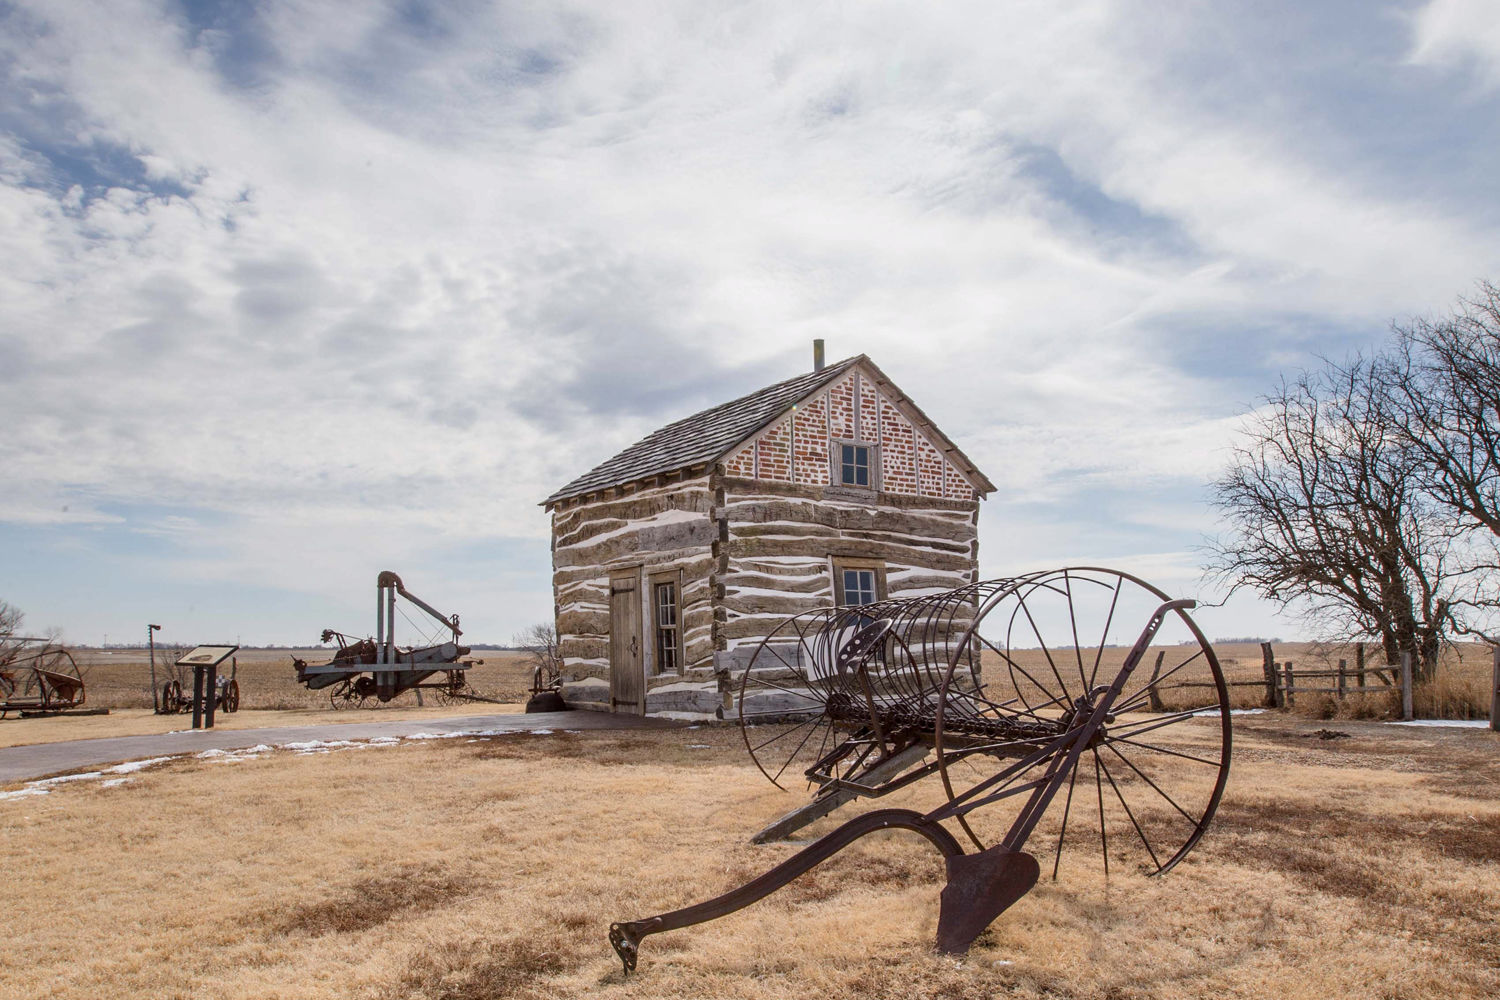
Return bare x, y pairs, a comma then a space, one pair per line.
38, 677
378, 668
1017, 694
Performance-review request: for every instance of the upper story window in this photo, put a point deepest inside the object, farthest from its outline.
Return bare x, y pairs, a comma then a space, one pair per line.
854, 466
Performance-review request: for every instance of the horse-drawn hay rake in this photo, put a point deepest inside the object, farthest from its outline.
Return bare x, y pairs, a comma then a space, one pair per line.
1018, 694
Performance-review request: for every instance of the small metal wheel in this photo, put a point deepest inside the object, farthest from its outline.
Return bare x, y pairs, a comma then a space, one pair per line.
1049, 646
232, 696
783, 698
451, 690
343, 694
171, 698
804, 718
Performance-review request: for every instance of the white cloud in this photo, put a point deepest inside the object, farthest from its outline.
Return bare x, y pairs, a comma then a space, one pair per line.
330, 304
1458, 33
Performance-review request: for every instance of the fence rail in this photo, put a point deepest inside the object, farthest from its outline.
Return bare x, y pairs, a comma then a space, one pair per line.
1283, 682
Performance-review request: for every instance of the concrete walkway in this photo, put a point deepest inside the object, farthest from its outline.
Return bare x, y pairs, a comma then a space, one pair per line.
42, 759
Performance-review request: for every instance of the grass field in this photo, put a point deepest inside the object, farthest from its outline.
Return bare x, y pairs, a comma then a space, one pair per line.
121, 678
1364, 866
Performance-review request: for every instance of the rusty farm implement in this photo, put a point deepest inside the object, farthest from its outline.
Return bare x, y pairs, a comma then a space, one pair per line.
1025, 699
378, 668
39, 677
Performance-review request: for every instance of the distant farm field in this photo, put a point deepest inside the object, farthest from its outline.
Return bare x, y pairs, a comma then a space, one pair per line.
121, 678
1362, 866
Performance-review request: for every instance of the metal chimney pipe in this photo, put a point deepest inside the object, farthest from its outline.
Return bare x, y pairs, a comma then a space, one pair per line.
818, 355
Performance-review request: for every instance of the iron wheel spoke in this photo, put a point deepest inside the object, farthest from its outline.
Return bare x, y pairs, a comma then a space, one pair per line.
1147, 780
1133, 822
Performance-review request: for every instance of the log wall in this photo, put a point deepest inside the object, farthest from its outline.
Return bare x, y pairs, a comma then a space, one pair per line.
780, 541
662, 528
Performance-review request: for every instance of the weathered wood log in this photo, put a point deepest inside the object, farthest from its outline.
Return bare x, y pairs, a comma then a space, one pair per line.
826, 803
891, 551
742, 488
756, 516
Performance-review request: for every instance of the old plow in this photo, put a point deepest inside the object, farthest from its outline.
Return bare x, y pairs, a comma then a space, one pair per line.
1015, 695
378, 668
39, 677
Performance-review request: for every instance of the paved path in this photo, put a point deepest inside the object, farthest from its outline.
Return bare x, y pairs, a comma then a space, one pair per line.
41, 759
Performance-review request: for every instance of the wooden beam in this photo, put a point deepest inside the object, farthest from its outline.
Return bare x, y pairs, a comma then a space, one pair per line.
822, 805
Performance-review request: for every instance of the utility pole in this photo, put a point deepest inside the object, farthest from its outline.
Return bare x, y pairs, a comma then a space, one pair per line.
151, 631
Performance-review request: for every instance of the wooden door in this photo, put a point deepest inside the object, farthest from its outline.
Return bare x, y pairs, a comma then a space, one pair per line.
627, 672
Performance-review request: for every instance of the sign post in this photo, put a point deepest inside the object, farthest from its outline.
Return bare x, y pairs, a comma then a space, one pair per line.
205, 662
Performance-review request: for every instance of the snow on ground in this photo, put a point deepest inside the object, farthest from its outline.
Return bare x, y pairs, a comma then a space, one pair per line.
43, 786
1454, 723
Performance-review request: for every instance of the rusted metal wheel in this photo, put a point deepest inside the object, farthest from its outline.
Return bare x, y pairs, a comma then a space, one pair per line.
803, 716
783, 698
1047, 648
343, 694
232, 696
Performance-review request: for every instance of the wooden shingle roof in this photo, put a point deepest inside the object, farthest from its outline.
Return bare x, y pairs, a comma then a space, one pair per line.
709, 435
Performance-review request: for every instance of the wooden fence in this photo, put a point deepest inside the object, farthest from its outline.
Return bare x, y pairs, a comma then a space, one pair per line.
1391, 677
1281, 683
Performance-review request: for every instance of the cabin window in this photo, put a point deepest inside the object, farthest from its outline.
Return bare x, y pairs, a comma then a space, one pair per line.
858, 582
668, 630
854, 466
859, 586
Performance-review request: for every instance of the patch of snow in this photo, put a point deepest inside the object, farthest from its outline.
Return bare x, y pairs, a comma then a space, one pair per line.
699, 746
1447, 723
22, 793
130, 767
65, 778
540, 732
113, 782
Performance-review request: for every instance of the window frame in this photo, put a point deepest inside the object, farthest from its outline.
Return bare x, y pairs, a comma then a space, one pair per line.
655, 580
836, 464
840, 565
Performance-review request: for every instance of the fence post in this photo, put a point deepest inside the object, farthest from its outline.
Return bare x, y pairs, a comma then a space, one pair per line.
1495, 697
1343, 665
1151, 692
1268, 666
1290, 698
1406, 709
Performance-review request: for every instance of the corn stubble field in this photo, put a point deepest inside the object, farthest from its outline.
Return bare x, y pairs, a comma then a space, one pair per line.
1362, 866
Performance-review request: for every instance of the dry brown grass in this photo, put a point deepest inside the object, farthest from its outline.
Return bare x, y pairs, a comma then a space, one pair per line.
1364, 866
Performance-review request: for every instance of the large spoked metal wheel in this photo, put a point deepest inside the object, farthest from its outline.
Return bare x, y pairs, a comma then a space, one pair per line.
1040, 653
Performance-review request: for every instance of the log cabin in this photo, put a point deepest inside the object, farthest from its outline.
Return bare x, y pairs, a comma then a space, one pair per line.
674, 558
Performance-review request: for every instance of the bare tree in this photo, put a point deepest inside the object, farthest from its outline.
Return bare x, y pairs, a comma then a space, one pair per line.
540, 642
1444, 378
11, 618
1442, 387
1328, 515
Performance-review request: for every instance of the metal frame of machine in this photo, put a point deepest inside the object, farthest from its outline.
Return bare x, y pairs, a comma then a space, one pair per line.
378, 668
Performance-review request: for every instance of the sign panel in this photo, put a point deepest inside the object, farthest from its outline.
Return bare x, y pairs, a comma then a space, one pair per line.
206, 656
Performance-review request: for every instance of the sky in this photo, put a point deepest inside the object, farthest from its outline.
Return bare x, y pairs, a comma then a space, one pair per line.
295, 292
